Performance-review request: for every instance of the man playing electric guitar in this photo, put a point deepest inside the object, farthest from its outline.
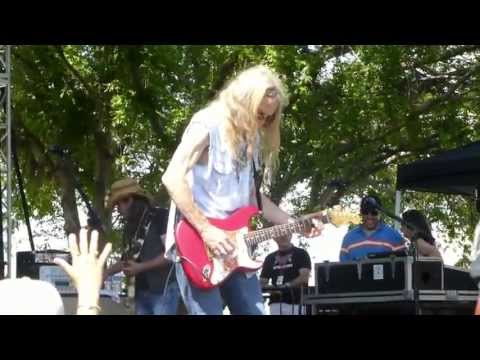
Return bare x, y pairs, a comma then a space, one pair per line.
210, 176
155, 288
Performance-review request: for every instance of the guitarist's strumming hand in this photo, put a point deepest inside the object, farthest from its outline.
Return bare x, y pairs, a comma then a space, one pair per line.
218, 241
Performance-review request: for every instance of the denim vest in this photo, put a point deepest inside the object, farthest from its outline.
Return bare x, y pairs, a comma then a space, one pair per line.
221, 186
224, 184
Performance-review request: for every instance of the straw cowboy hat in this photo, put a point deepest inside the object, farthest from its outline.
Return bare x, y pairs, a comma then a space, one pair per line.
126, 187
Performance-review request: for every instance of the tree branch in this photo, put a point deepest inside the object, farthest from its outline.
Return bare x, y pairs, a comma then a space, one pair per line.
142, 96
90, 90
224, 73
62, 174
426, 106
450, 53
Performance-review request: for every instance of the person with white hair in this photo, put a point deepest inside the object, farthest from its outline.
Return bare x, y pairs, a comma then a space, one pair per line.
211, 175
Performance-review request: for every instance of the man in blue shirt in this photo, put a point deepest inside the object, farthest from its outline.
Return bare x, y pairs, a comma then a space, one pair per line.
372, 236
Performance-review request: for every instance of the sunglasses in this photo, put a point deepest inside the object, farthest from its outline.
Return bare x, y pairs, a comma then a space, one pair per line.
271, 92
124, 200
371, 212
266, 118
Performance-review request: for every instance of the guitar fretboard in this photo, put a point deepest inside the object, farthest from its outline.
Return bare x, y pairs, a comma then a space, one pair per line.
299, 226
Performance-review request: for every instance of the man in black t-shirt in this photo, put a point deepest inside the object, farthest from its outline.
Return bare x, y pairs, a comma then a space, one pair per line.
288, 269
156, 289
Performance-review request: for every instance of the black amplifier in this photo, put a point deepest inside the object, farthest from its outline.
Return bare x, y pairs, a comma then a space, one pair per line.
39, 265
458, 279
383, 274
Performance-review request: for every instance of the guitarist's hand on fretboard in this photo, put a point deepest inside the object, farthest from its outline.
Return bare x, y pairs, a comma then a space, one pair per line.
132, 268
313, 225
114, 269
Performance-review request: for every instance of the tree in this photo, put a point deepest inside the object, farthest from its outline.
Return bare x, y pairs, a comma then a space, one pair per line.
355, 113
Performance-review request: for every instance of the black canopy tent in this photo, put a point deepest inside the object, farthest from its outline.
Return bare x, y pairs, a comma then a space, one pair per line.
454, 171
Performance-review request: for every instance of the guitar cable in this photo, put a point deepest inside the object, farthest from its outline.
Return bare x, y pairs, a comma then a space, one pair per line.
193, 264
168, 279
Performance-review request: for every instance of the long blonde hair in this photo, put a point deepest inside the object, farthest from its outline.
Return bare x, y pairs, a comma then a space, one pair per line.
239, 101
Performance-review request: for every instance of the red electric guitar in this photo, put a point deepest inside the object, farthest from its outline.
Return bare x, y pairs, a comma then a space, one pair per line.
206, 271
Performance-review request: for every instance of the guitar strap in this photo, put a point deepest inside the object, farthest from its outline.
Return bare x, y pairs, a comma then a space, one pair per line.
257, 179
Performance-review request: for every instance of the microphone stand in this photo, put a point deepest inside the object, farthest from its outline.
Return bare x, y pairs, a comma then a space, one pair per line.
412, 251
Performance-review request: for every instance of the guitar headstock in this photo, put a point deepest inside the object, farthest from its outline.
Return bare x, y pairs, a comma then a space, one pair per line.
339, 217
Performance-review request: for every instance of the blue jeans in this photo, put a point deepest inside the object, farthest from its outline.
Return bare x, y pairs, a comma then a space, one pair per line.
164, 303
241, 294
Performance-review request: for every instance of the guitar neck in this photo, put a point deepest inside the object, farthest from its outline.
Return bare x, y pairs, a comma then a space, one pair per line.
299, 226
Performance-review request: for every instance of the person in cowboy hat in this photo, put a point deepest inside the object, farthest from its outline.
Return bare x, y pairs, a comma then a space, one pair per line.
156, 289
